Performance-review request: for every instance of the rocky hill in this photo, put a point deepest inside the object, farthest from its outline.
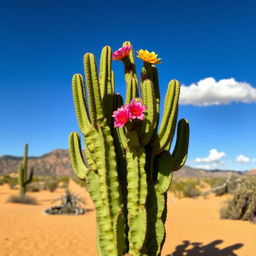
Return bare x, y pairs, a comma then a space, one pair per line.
57, 163
251, 172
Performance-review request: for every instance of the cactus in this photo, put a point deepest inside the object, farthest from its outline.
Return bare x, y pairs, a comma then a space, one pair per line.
127, 170
23, 178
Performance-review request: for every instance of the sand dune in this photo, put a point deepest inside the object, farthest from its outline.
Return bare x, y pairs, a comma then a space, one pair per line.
193, 228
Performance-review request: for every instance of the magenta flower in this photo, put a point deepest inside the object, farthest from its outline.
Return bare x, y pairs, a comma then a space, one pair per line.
136, 109
121, 52
122, 116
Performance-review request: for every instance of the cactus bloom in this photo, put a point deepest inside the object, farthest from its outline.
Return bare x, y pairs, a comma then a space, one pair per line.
122, 116
150, 57
121, 52
136, 109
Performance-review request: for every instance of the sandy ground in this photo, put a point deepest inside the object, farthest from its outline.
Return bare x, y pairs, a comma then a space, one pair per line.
193, 228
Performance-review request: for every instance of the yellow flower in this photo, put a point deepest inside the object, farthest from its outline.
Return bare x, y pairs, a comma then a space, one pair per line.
150, 57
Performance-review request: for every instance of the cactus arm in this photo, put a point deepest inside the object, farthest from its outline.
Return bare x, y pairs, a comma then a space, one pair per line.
80, 103
181, 147
113, 81
156, 236
106, 80
137, 192
148, 97
30, 178
130, 76
94, 98
168, 163
105, 77
131, 89
119, 232
77, 161
157, 97
167, 127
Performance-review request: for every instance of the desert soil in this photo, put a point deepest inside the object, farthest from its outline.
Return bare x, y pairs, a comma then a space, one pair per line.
193, 228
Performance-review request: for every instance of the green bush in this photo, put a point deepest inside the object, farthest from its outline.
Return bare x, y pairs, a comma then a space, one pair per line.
191, 192
63, 181
185, 187
13, 182
214, 181
51, 185
33, 187
7, 179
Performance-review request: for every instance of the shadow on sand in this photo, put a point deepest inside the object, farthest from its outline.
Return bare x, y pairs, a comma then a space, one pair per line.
188, 248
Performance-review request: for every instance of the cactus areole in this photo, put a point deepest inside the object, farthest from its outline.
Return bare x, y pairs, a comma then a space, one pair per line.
127, 164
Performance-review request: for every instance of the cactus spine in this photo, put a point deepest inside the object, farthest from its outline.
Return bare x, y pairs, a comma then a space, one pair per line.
23, 178
127, 170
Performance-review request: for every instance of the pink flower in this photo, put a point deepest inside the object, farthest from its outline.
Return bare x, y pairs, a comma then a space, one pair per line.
136, 109
122, 116
121, 52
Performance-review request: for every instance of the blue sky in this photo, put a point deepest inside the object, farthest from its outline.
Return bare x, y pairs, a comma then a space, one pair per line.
42, 44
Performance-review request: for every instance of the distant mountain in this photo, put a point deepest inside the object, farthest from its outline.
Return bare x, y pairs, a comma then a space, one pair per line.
187, 171
251, 172
57, 163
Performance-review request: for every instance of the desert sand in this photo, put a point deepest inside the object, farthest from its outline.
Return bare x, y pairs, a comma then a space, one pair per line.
193, 228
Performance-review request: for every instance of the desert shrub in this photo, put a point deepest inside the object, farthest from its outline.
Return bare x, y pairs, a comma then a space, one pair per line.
214, 181
33, 187
13, 183
63, 181
185, 187
22, 199
191, 192
51, 185
6, 178
243, 204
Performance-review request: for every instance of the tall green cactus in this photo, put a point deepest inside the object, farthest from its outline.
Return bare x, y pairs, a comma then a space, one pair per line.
127, 170
23, 178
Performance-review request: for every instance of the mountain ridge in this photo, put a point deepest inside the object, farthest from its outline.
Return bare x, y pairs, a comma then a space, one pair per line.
57, 163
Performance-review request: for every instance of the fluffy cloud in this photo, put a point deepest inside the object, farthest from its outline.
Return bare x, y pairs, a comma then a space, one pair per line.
242, 159
209, 166
211, 92
213, 157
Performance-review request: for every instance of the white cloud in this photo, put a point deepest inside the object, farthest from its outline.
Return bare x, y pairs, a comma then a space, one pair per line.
242, 159
203, 166
209, 166
208, 91
213, 157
